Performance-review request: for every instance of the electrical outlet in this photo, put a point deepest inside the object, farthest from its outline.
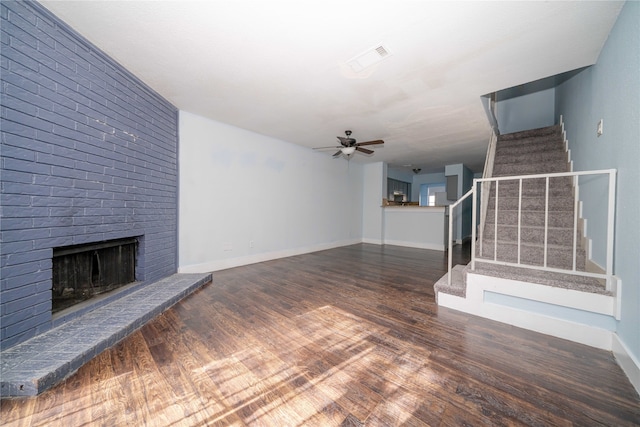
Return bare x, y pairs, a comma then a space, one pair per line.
250, 243
599, 130
227, 247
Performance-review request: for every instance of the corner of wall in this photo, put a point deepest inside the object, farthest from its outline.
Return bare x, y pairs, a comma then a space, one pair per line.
627, 361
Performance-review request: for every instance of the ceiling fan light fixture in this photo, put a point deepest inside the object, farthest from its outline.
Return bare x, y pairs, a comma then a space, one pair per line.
350, 145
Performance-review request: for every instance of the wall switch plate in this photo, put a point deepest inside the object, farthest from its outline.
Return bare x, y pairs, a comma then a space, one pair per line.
599, 130
250, 243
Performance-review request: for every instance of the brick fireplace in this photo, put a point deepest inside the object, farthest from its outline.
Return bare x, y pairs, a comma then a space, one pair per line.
89, 155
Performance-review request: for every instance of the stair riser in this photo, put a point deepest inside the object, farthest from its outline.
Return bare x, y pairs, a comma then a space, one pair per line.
539, 193
531, 203
509, 169
532, 158
556, 257
532, 133
532, 218
560, 160
521, 148
557, 184
558, 237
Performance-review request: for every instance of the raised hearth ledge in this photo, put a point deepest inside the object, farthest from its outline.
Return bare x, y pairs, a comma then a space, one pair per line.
37, 364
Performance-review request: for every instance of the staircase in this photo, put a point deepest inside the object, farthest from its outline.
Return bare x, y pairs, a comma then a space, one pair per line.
528, 153
552, 302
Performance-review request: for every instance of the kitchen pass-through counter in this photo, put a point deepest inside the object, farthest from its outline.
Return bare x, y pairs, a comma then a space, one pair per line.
414, 226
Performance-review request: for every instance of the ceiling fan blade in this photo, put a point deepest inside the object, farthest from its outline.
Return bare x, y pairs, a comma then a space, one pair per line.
364, 150
326, 148
337, 153
376, 142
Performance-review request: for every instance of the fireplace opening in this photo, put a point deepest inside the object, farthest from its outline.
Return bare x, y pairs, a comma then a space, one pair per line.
81, 272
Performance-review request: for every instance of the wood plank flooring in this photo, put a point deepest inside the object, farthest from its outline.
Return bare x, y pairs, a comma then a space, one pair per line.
345, 337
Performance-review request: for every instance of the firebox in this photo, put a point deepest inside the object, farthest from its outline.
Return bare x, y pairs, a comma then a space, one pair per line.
81, 272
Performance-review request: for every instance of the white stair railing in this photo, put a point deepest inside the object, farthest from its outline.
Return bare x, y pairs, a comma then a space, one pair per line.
451, 215
486, 183
488, 169
487, 173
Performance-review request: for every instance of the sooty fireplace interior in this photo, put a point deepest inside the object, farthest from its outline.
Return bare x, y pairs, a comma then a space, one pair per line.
83, 271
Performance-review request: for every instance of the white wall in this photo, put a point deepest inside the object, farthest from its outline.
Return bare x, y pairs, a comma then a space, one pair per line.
416, 227
239, 188
375, 183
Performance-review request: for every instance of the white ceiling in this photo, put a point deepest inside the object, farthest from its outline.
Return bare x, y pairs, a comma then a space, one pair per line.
280, 68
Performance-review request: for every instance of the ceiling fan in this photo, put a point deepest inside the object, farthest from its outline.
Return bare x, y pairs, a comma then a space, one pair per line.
349, 145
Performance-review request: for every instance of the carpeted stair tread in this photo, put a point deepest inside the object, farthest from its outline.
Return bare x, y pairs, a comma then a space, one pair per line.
565, 245
511, 140
533, 254
531, 218
543, 131
508, 169
534, 186
519, 157
530, 202
559, 280
507, 189
531, 147
458, 285
531, 234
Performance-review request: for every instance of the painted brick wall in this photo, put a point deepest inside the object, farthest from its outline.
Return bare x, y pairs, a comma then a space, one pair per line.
88, 153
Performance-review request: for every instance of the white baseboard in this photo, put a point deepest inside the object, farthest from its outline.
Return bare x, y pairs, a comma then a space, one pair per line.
433, 246
223, 264
373, 241
627, 361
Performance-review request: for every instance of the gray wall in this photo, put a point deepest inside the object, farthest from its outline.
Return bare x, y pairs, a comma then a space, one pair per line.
610, 90
89, 153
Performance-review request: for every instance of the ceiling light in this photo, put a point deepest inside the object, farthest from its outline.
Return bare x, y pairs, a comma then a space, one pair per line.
348, 150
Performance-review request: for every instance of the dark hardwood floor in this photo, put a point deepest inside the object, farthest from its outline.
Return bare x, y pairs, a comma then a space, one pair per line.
350, 336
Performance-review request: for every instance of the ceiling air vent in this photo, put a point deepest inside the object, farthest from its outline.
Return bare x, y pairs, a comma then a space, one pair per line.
368, 58
382, 51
